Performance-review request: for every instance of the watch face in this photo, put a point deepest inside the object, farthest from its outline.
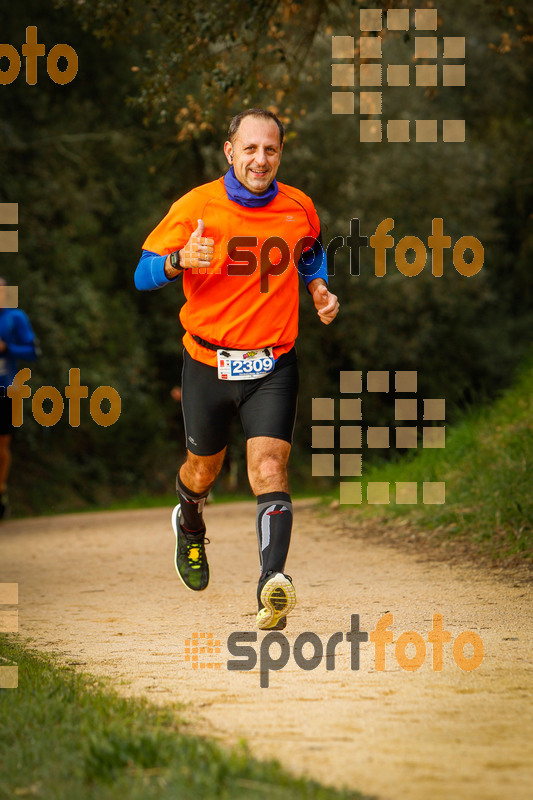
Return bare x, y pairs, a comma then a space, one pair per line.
175, 260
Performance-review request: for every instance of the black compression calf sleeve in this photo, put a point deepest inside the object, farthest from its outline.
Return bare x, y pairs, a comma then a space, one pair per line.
274, 526
192, 506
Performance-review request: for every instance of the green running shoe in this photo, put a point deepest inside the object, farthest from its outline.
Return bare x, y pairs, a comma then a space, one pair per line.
190, 559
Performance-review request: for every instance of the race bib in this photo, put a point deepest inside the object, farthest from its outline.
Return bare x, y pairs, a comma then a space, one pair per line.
244, 365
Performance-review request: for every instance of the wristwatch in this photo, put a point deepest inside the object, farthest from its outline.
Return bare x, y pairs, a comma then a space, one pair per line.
175, 260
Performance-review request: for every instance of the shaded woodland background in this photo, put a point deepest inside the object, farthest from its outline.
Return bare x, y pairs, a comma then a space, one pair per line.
95, 164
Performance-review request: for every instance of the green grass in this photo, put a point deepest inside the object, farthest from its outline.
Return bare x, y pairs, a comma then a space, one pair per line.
145, 500
487, 465
140, 500
64, 735
216, 498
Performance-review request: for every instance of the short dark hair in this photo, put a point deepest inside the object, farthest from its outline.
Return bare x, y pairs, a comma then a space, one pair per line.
254, 112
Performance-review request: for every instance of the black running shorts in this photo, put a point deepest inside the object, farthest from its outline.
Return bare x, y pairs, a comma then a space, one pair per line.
266, 406
6, 425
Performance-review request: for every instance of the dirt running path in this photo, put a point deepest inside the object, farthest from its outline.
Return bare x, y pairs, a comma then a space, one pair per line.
101, 588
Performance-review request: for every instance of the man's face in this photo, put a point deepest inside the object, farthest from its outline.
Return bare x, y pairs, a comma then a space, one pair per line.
255, 153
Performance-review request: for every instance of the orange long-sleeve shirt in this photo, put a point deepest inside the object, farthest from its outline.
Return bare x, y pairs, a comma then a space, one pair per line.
229, 309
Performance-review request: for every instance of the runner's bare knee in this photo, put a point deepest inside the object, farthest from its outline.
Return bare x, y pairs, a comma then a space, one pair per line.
199, 473
267, 464
271, 468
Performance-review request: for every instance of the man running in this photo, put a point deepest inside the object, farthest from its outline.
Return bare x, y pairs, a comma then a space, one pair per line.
241, 322
17, 340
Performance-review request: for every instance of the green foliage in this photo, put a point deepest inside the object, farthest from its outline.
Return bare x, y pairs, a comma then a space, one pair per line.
63, 734
92, 178
83, 175
487, 465
201, 56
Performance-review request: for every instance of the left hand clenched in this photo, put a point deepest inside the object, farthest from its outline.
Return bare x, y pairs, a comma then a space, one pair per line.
326, 303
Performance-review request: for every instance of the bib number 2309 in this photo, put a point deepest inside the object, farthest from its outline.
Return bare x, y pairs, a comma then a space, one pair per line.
239, 365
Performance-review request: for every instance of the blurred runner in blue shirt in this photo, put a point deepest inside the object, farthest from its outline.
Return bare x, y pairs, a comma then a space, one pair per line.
17, 340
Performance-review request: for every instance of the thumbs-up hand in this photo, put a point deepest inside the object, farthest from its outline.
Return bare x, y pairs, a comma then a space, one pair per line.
325, 302
198, 252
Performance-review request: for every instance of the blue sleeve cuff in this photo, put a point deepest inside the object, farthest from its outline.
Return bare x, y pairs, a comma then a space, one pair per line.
150, 272
313, 263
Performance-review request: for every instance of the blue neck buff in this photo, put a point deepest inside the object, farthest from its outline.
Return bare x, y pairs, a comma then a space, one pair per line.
240, 194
